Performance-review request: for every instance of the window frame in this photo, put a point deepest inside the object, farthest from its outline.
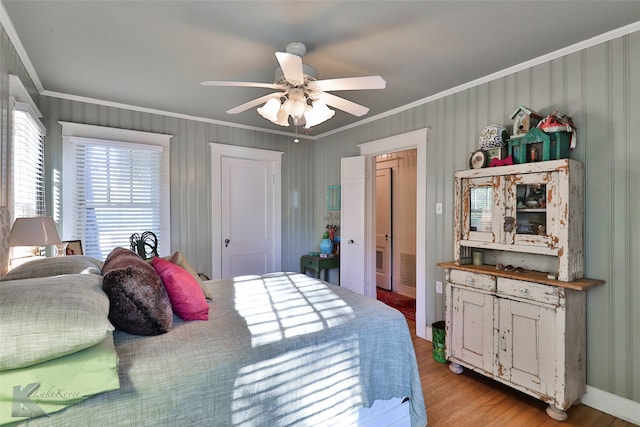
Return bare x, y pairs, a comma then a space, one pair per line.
21, 100
39, 178
74, 133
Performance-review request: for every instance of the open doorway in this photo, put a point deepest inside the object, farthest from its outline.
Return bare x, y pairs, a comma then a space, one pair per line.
414, 139
396, 222
395, 204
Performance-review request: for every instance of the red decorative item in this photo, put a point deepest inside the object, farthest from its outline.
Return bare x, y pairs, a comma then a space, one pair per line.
555, 122
501, 162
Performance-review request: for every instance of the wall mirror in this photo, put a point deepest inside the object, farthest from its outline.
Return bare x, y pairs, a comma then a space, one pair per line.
333, 198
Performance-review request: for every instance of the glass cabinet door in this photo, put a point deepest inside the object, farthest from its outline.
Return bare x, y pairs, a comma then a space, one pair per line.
532, 203
481, 218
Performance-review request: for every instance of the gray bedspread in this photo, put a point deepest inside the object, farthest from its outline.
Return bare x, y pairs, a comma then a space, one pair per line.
278, 350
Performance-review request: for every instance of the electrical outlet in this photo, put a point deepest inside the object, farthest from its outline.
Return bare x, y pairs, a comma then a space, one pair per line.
439, 208
438, 287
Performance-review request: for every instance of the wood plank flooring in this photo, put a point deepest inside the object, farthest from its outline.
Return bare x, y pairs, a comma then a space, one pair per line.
471, 399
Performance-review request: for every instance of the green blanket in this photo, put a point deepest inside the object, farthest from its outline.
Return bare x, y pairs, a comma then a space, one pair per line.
48, 387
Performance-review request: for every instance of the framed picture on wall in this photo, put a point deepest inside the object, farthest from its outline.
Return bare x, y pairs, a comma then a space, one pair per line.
333, 198
74, 247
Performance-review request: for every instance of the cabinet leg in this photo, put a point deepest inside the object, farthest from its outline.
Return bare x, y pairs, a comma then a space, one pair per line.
455, 368
556, 413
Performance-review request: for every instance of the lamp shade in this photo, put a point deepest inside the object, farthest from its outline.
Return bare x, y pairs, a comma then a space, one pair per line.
296, 105
38, 231
270, 110
283, 118
317, 114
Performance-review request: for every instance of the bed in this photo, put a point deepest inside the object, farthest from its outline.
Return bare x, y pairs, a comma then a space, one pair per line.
279, 349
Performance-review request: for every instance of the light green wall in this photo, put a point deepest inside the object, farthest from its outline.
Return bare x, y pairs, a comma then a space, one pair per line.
191, 173
599, 88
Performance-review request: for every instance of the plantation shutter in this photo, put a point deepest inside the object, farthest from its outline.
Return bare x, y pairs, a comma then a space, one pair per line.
118, 192
27, 162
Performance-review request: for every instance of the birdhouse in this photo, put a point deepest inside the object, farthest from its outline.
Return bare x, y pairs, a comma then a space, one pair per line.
524, 119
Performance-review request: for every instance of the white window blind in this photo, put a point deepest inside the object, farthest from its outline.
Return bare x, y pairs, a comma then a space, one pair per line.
118, 191
27, 162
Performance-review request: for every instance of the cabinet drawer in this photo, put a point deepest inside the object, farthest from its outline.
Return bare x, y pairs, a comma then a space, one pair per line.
528, 290
310, 263
473, 280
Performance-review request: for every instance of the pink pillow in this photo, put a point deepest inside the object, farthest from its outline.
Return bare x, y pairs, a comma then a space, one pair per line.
187, 299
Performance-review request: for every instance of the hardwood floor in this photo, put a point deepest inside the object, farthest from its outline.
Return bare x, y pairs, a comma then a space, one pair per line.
471, 399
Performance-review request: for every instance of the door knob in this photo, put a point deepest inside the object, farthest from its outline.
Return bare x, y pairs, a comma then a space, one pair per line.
351, 242
226, 242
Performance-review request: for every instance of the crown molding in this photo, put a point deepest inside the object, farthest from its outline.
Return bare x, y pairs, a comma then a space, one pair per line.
17, 44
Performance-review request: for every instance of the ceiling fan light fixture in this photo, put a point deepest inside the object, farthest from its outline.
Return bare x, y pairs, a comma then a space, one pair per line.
318, 113
270, 110
298, 91
296, 104
282, 118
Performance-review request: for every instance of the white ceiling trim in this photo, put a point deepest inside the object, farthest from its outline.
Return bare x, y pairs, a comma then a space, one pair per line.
17, 43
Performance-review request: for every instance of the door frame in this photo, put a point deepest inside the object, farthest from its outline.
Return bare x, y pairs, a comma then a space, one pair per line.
218, 151
388, 258
416, 139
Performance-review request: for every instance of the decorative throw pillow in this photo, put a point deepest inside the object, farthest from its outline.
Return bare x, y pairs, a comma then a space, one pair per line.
181, 261
55, 266
187, 299
45, 318
139, 302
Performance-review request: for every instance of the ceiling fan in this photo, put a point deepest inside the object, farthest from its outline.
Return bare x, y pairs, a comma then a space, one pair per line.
300, 94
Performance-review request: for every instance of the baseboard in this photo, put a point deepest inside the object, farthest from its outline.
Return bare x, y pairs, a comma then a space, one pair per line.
428, 334
612, 404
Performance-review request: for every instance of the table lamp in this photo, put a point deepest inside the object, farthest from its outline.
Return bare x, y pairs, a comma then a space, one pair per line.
36, 231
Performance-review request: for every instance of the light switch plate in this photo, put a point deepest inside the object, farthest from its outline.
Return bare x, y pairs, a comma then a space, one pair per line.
439, 208
438, 287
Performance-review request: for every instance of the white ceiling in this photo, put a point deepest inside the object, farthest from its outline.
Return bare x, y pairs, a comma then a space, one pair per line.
154, 54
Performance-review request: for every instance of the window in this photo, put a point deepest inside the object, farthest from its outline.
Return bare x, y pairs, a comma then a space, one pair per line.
27, 163
114, 188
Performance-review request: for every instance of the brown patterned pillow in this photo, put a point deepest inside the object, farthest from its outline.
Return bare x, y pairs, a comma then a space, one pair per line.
139, 303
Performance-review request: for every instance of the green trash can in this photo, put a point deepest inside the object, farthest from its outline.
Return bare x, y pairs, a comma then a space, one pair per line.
437, 339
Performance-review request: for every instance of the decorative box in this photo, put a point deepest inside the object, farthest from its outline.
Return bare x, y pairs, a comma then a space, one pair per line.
537, 145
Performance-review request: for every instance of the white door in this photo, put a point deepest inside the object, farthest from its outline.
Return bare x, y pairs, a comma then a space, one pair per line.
383, 228
352, 227
247, 226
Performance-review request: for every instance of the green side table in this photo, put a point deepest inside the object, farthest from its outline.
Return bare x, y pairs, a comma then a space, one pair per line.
317, 264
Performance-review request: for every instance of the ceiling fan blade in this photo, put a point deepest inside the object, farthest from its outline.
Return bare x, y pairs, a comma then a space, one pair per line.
291, 67
343, 104
254, 102
352, 83
241, 84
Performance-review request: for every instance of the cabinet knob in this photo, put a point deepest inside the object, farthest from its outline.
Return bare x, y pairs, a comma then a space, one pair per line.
524, 291
470, 280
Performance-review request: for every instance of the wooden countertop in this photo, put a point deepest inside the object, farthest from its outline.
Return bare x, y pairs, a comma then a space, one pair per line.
533, 276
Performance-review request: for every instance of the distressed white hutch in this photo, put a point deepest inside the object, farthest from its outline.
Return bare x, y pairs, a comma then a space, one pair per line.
518, 313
